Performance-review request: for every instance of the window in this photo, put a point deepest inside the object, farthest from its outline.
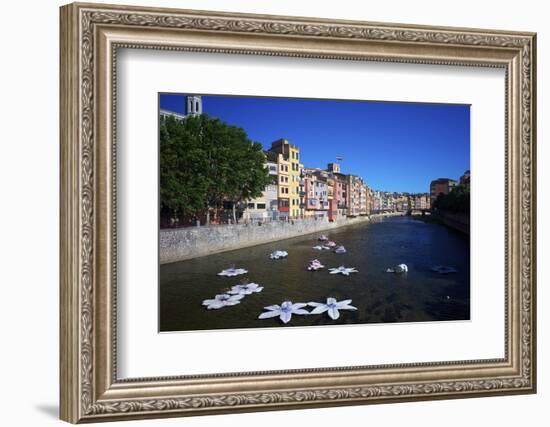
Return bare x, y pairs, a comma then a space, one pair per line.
251, 206
260, 206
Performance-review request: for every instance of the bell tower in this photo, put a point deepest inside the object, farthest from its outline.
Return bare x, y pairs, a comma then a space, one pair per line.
194, 105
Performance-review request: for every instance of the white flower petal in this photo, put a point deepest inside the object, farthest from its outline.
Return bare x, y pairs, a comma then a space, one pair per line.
215, 305
268, 314
319, 309
339, 303
315, 304
333, 313
273, 307
346, 307
298, 305
300, 311
208, 301
331, 300
286, 316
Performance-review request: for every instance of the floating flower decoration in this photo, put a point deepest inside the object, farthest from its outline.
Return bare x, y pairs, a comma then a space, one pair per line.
278, 254
246, 289
321, 247
315, 265
323, 238
401, 268
222, 300
229, 272
284, 311
340, 250
330, 244
343, 270
332, 306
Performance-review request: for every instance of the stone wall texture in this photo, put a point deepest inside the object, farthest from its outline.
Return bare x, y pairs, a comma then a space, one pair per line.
457, 221
191, 242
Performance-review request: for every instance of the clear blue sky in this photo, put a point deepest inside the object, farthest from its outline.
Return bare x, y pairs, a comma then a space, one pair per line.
393, 146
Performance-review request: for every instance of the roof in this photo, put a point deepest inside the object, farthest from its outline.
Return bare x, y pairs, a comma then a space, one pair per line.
442, 180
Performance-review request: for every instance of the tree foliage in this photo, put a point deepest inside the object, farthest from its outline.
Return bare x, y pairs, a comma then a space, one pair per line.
204, 161
458, 199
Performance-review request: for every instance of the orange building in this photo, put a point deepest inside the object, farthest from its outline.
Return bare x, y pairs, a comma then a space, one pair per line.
441, 186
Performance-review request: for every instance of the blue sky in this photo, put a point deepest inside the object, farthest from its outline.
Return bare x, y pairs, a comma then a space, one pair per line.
393, 146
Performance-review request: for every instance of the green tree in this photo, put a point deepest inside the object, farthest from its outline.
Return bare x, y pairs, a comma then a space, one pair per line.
204, 161
458, 199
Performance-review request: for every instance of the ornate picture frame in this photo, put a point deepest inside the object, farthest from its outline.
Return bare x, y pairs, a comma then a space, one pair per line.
90, 37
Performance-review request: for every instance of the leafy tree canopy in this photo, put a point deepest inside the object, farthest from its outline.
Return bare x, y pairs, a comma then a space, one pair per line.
204, 161
458, 199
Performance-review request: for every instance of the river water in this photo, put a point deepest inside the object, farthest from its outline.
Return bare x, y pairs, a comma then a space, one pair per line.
417, 296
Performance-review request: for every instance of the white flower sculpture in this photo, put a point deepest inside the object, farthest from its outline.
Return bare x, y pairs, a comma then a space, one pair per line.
343, 270
332, 306
278, 254
229, 272
331, 244
284, 311
246, 289
222, 300
340, 250
401, 268
315, 265
321, 247
323, 238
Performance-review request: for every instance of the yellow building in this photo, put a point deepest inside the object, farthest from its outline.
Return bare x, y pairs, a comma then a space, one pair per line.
288, 160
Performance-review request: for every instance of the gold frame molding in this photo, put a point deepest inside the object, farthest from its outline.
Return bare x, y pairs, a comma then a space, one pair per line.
90, 37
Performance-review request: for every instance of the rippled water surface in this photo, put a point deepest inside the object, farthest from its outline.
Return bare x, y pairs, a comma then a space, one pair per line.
420, 295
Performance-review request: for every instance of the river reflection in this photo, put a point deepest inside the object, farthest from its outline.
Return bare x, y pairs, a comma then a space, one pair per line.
420, 295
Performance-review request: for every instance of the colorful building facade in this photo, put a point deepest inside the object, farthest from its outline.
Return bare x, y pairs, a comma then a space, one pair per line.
288, 160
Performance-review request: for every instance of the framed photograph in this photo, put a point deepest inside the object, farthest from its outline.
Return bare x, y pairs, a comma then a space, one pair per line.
267, 212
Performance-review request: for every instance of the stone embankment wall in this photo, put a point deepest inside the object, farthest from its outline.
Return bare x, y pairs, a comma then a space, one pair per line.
457, 221
191, 242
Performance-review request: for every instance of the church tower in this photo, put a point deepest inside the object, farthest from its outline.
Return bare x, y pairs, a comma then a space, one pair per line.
194, 105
